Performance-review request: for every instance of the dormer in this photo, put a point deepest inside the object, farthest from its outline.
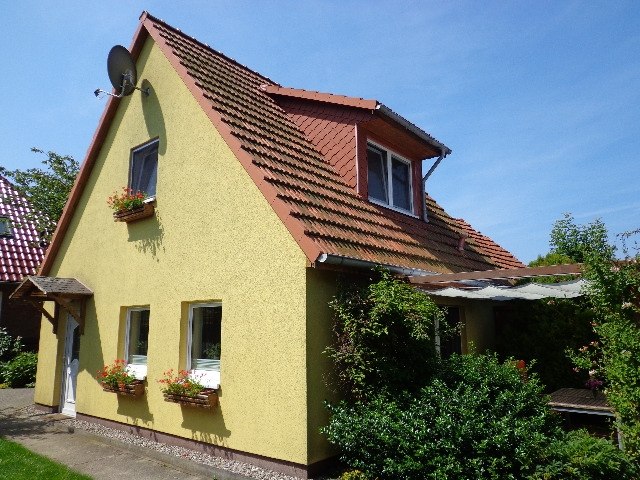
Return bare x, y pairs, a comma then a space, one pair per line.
377, 152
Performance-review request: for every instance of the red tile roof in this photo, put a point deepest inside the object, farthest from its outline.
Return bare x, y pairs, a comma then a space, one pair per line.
501, 257
20, 253
316, 203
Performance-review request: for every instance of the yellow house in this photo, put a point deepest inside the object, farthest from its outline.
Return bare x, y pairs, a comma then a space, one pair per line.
260, 197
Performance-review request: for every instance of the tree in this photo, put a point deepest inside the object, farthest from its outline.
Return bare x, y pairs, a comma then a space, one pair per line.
613, 294
47, 189
577, 242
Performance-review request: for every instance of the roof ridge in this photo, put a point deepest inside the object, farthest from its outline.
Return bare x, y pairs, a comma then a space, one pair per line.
145, 14
334, 98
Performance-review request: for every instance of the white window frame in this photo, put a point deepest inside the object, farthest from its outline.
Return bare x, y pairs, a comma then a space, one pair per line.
208, 378
138, 371
151, 198
389, 154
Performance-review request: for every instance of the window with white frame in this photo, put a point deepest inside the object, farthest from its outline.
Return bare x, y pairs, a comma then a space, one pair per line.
143, 172
389, 179
137, 341
204, 342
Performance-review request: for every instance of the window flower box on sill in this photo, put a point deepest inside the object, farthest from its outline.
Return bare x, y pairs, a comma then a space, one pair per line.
134, 215
130, 206
186, 389
207, 398
134, 389
116, 378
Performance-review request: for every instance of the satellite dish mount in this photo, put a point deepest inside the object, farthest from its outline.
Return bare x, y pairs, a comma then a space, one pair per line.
122, 73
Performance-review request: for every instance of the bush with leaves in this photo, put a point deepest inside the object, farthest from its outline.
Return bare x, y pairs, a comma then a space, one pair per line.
9, 346
384, 336
21, 371
613, 294
476, 419
578, 456
540, 332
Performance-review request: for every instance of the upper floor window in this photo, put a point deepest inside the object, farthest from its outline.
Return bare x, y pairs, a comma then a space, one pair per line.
204, 342
143, 171
389, 179
137, 341
5, 227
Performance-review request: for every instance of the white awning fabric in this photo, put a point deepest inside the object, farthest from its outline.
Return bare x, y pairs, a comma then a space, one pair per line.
530, 291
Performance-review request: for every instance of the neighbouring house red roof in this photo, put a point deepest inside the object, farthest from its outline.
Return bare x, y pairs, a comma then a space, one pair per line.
20, 253
312, 195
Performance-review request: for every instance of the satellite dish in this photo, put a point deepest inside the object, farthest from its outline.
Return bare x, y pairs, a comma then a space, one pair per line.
122, 70
122, 73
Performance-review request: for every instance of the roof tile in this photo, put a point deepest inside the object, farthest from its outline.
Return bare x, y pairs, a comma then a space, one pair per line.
318, 195
19, 254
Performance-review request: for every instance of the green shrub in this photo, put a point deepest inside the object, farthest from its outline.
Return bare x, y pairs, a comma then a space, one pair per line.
542, 331
384, 337
9, 346
581, 456
353, 475
21, 371
477, 419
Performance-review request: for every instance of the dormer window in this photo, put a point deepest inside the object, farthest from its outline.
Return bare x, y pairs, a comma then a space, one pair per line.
143, 172
389, 179
5, 227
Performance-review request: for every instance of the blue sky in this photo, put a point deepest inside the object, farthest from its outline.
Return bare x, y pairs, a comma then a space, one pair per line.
539, 101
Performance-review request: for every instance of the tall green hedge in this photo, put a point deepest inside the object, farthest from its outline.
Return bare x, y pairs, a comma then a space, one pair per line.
477, 419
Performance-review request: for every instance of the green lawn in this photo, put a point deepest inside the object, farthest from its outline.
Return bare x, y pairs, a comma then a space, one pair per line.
18, 463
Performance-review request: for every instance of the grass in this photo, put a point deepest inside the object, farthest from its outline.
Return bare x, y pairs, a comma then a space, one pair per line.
18, 463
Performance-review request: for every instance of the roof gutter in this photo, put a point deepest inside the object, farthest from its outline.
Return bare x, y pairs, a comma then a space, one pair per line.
412, 128
330, 259
443, 153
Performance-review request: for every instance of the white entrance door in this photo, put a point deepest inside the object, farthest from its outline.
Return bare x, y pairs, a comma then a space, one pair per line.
70, 371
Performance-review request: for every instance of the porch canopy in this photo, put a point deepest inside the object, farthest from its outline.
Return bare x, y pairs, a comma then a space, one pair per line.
474, 285
67, 293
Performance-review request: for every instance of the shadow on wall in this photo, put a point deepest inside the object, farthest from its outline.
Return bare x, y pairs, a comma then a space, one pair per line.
205, 425
135, 409
148, 235
153, 117
91, 357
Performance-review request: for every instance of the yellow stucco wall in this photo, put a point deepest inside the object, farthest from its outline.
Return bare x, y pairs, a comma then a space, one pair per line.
214, 237
321, 288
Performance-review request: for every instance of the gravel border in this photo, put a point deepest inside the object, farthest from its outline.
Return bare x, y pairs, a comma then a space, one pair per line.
232, 466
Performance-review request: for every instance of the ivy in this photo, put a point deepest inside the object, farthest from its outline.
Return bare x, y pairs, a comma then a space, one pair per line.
384, 336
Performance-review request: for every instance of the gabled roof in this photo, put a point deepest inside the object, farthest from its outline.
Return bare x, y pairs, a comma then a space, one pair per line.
51, 286
354, 102
323, 213
20, 253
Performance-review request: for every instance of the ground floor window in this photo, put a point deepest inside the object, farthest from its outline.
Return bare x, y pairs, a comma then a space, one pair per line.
204, 342
137, 341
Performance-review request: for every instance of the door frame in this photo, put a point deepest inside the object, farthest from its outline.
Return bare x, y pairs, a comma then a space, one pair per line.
70, 325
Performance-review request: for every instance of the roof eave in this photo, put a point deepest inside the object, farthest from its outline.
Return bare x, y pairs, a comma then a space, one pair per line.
417, 131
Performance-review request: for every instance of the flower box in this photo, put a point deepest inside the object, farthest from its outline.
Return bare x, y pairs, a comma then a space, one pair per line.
134, 215
134, 389
208, 398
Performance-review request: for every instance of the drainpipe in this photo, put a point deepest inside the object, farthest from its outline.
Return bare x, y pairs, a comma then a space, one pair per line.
443, 153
